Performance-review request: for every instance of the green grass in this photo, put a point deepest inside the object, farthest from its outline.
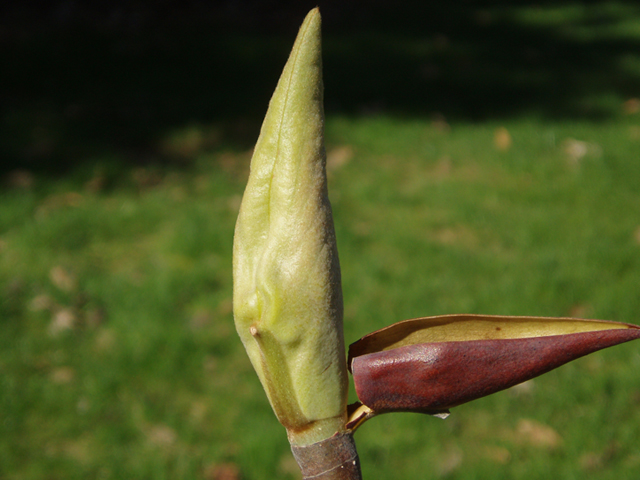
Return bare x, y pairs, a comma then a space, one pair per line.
118, 355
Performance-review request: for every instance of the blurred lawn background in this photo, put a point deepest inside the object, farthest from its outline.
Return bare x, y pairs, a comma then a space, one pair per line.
483, 157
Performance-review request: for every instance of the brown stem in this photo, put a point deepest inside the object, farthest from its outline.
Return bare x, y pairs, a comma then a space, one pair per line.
335, 458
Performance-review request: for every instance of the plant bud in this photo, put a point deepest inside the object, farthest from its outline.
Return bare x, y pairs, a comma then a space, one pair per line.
286, 277
432, 364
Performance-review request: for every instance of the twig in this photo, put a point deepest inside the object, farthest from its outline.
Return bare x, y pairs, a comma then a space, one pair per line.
333, 459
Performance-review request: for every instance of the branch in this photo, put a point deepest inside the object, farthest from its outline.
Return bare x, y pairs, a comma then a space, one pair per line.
335, 458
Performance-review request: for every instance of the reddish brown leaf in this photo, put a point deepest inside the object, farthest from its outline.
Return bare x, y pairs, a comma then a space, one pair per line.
432, 377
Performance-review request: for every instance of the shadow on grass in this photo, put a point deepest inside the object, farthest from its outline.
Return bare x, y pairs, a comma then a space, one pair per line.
120, 81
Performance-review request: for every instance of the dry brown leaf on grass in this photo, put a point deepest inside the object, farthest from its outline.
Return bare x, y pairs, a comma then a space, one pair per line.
497, 454
105, 340
41, 302
439, 124
597, 460
59, 201
449, 460
161, 435
63, 279
502, 139
577, 150
62, 375
63, 320
631, 106
338, 157
536, 434
222, 471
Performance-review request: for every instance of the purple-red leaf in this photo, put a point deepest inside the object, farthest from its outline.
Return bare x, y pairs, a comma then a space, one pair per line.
393, 373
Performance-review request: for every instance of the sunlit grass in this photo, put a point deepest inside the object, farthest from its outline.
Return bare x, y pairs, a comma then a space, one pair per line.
118, 355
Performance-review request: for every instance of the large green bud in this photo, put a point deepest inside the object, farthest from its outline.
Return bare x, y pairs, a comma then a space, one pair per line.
287, 299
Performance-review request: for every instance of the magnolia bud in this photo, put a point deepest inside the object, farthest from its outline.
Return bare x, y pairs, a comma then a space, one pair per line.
287, 299
432, 364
